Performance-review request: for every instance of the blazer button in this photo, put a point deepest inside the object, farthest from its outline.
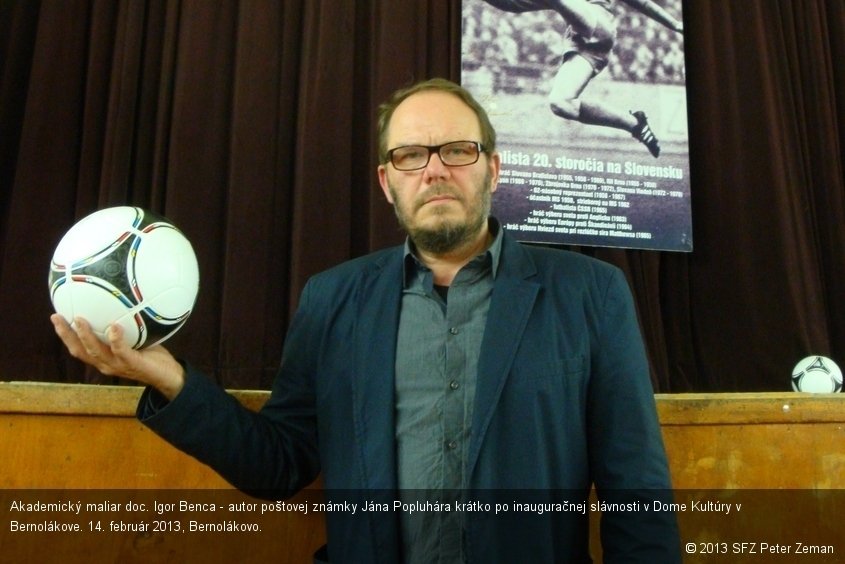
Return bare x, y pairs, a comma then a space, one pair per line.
454, 384
454, 330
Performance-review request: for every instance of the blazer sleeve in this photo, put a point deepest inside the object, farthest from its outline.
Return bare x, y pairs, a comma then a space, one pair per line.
627, 456
272, 453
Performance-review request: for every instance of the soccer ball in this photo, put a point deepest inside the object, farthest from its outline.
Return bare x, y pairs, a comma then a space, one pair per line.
128, 266
816, 374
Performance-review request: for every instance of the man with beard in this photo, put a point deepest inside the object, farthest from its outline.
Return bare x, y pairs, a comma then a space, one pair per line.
459, 370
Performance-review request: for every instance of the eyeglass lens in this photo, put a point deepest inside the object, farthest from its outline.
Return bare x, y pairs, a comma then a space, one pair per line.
455, 153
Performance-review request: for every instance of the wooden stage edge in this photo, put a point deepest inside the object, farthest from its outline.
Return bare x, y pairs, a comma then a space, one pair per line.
673, 409
65, 435
779, 455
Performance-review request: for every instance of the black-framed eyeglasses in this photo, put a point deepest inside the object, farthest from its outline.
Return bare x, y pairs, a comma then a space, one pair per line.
416, 157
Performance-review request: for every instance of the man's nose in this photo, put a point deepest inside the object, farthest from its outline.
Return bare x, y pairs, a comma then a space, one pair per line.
435, 167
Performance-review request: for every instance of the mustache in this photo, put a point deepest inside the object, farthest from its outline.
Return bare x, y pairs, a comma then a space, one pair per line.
437, 190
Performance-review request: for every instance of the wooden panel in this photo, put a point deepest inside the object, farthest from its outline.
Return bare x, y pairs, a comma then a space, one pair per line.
762, 440
81, 442
757, 476
78, 443
749, 408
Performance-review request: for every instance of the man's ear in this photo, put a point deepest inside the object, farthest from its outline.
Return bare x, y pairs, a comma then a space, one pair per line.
385, 187
495, 170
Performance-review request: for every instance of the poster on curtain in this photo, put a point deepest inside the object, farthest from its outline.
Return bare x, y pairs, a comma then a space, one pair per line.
588, 98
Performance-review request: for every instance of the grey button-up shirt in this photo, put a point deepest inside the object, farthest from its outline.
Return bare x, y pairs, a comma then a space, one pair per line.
437, 352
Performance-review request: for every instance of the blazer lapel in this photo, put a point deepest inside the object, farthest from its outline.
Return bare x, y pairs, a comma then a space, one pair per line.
379, 301
510, 307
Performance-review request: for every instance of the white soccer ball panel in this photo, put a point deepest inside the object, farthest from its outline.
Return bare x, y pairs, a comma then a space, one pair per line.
62, 297
173, 304
93, 302
93, 233
166, 271
816, 382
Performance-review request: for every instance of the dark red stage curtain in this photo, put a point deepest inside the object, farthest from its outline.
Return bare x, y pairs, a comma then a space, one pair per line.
251, 125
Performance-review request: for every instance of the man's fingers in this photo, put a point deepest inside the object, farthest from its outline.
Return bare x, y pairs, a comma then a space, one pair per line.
68, 336
59, 324
82, 343
118, 347
153, 366
114, 336
93, 345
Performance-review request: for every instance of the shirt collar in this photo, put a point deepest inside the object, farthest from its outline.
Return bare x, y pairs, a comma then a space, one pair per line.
412, 264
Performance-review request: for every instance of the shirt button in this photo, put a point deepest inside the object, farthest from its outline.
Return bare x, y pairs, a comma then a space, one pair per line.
454, 384
452, 445
453, 330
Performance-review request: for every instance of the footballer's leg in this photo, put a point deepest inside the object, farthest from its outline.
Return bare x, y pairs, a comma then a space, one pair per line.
565, 97
566, 101
595, 112
591, 21
572, 77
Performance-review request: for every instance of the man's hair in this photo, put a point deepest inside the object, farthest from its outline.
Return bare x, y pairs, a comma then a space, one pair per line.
385, 112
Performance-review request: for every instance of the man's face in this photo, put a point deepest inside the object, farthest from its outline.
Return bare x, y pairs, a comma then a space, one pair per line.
440, 207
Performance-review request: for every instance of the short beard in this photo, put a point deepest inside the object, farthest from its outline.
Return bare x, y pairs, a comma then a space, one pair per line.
448, 236
445, 238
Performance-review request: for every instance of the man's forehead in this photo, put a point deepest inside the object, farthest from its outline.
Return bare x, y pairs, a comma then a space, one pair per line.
434, 114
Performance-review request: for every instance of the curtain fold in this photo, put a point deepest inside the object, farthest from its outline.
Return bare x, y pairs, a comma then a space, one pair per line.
250, 124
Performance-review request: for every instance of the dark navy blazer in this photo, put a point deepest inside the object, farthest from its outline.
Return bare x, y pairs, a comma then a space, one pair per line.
563, 402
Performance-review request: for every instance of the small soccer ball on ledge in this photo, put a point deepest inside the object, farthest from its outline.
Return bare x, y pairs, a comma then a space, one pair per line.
128, 266
817, 374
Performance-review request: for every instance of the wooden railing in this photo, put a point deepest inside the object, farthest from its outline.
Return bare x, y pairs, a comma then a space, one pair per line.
80, 443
